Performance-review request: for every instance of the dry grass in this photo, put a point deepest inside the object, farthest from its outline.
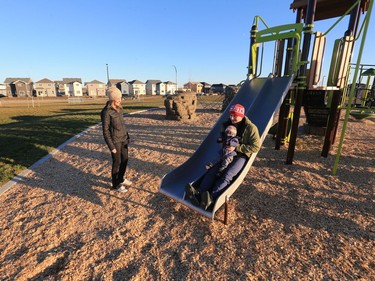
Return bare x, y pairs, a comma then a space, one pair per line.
287, 222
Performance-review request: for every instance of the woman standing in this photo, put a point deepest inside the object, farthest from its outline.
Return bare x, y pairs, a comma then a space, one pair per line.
117, 138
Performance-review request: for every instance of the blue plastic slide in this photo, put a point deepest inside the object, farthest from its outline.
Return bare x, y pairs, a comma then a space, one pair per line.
262, 98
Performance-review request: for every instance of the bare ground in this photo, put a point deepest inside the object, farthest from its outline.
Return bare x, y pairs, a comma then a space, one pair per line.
286, 222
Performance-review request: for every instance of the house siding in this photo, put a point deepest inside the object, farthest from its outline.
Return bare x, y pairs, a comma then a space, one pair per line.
151, 87
124, 87
74, 89
96, 89
137, 88
45, 88
19, 87
161, 89
170, 88
194, 86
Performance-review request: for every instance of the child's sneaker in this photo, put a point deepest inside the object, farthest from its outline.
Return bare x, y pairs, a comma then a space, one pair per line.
206, 200
191, 193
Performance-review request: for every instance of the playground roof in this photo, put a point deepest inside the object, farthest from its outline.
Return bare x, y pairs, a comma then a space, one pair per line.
326, 9
369, 72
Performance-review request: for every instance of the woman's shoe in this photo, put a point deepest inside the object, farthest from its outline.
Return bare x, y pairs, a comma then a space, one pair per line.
121, 189
126, 182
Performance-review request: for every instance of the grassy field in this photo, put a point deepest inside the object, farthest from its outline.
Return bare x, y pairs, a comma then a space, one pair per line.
31, 128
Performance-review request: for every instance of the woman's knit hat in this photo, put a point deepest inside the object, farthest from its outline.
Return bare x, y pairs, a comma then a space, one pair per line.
237, 110
113, 93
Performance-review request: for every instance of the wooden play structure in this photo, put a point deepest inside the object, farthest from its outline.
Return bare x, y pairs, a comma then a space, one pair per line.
322, 104
295, 82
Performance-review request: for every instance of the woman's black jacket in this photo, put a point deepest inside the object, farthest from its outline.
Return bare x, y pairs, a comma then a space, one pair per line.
114, 129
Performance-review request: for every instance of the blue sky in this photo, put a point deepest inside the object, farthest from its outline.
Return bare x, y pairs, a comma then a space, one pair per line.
141, 39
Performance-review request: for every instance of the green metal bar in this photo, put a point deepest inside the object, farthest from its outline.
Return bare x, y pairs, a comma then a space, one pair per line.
253, 52
255, 22
351, 95
283, 32
359, 33
340, 19
280, 32
364, 97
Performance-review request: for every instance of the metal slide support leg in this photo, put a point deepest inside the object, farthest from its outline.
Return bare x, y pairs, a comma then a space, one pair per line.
226, 210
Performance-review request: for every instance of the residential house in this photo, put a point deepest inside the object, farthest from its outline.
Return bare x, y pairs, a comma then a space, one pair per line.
115, 82
120, 84
3, 90
170, 88
45, 88
19, 87
73, 87
95, 88
137, 88
188, 86
231, 88
160, 89
218, 88
60, 89
151, 87
206, 87
194, 87
84, 90
124, 87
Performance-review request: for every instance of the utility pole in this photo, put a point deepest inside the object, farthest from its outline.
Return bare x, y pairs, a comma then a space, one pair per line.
175, 69
107, 74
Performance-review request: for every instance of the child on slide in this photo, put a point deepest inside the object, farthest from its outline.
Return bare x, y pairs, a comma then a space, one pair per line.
229, 141
227, 154
214, 183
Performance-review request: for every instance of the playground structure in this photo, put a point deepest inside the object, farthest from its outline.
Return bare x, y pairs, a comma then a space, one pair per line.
291, 84
322, 104
364, 94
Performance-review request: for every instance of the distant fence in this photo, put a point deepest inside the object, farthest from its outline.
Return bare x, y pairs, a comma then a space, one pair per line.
74, 99
211, 102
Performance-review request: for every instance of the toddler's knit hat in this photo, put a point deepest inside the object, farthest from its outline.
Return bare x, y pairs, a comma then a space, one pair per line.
113, 93
231, 131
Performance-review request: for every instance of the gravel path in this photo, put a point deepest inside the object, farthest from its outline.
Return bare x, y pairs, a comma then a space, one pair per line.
287, 222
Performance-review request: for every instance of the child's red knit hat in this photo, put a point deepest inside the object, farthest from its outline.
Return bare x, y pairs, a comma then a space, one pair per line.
237, 110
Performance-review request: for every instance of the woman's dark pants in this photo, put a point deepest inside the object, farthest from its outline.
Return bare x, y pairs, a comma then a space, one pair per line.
119, 163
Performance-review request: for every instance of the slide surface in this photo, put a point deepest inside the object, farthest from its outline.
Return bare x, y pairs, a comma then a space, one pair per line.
262, 98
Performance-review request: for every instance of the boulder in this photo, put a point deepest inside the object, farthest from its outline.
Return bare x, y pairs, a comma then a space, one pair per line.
181, 106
